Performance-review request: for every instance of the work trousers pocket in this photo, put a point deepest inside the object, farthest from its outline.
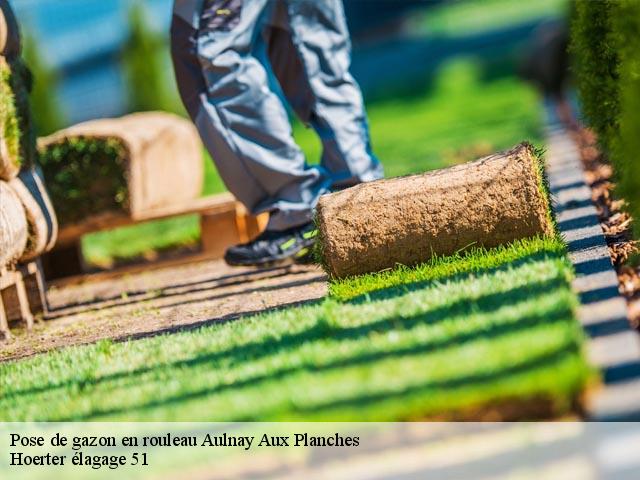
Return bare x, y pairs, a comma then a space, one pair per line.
220, 15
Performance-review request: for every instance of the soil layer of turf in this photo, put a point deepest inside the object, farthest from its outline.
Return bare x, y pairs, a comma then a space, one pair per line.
489, 202
465, 333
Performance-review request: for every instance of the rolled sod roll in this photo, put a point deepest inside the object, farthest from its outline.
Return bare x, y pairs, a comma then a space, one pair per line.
489, 202
13, 226
41, 218
9, 31
17, 136
129, 164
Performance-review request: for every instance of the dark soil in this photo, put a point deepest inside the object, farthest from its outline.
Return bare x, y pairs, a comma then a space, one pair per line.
138, 304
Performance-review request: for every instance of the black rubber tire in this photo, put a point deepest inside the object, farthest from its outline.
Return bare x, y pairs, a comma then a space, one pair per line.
9, 31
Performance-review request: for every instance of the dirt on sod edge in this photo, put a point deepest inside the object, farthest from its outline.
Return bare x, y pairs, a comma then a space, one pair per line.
537, 408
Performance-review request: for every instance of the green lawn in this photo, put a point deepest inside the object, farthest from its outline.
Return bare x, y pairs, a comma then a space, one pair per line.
464, 333
459, 118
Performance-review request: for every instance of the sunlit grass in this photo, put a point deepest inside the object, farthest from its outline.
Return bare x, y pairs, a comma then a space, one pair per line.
459, 334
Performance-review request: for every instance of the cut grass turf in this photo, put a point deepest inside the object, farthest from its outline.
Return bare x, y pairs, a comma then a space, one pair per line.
461, 334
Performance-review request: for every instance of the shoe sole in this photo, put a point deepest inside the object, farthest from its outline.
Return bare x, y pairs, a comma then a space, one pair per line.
262, 263
289, 259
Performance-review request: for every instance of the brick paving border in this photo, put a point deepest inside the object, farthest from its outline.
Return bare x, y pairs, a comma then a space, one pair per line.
613, 346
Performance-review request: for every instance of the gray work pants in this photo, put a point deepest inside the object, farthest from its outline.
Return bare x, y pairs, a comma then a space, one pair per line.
226, 54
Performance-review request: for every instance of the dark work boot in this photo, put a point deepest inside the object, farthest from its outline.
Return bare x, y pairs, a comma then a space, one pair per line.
272, 248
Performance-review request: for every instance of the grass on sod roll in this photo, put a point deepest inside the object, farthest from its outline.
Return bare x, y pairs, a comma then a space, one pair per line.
85, 176
17, 129
10, 125
458, 335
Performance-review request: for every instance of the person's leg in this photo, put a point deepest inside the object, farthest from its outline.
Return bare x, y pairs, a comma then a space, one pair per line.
310, 53
242, 122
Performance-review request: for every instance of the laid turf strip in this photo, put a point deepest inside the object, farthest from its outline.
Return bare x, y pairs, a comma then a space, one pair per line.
460, 335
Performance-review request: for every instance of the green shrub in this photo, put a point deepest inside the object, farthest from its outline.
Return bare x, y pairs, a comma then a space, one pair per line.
606, 48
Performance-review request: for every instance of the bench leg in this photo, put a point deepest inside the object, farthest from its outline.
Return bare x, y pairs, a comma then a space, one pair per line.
5, 334
218, 232
63, 261
36, 288
249, 226
16, 303
255, 225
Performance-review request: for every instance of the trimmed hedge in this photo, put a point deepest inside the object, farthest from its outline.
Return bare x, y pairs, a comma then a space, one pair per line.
626, 152
606, 47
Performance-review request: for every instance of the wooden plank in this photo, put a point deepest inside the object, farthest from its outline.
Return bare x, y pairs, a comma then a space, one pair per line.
25, 311
250, 226
35, 286
220, 203
15, 301
218, 232
69, 234
7, 278
256, 224
223, 221
5, 334
15, 296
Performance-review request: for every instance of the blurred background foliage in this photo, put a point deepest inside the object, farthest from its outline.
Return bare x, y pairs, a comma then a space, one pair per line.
142, 58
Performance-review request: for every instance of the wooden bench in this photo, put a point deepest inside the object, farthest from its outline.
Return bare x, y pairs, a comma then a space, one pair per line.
223, 222
22, 295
